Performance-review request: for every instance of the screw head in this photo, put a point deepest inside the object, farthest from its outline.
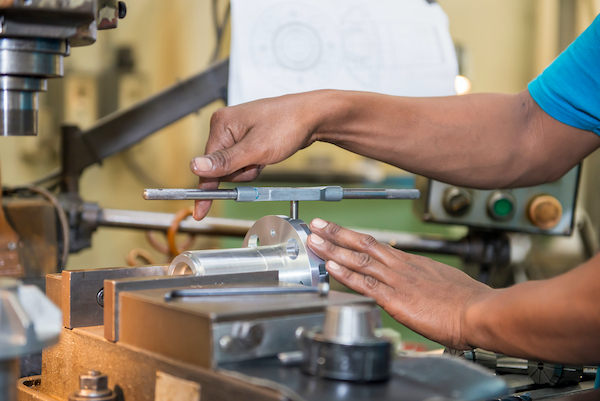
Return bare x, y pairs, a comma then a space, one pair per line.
100, 297
122, 9
93, 380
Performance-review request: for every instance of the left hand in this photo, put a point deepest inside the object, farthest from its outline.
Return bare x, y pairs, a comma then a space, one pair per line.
428, 297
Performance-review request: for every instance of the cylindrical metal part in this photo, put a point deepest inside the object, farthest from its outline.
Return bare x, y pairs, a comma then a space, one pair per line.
510, 365
18, 112
230, 261
24, 66
252, 194
189, 194
162, 221
368, 193
552, 374
347, 348
273, 243
9, 374
93, 386
294, 209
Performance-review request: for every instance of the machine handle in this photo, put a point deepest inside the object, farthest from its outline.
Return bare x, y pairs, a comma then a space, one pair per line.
289, 194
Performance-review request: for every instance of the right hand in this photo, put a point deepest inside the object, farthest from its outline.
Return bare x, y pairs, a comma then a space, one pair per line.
245, 138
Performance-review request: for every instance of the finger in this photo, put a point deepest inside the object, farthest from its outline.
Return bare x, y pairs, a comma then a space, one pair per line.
223, 162
201, 208
351, 239
363, 284
356, 261
246, 174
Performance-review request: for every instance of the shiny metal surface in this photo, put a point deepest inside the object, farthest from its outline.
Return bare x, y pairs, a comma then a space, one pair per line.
93, 386
294, 209
114, 287
346, 347
208, 330
18, 112
34, 37
189, 194
272, 243
25, 64
266, 194
349, 325
80, 288
322, 290
162, 221
29, 323
257, 338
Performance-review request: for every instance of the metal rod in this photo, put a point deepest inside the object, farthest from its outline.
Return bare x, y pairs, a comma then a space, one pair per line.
380, 193
190, 194
257, 194
294, 206
162, 221
322, 290
238, 228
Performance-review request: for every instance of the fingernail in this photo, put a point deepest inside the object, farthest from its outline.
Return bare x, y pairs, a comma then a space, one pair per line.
332, 265
318, 223
316, 239
202, 164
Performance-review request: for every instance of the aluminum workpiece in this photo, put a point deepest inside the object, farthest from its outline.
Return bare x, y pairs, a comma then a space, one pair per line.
272, 243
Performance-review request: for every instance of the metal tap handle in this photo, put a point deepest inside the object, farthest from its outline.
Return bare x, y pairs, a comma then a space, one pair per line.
290, 194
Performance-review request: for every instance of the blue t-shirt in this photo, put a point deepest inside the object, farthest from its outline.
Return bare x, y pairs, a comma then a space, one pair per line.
569, 89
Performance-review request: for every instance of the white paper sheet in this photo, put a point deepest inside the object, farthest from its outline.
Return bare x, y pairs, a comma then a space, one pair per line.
397, 47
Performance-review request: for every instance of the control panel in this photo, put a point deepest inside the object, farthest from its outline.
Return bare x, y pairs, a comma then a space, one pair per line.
543, 209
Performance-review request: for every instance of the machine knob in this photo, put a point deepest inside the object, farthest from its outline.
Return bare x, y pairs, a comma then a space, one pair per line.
457, 201
545, 212
501, 206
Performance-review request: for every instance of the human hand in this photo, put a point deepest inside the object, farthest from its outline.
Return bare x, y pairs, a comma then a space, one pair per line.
245, 138
428, 297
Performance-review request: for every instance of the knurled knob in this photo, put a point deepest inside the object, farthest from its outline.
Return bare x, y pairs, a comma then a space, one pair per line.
545, 212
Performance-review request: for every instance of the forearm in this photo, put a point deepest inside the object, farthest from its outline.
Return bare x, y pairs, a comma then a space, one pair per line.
556, 320
479, 140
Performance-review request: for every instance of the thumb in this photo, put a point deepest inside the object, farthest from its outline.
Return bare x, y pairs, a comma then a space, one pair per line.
222, 162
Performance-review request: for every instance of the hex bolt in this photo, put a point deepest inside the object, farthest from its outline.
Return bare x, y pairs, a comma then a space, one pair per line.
93, 385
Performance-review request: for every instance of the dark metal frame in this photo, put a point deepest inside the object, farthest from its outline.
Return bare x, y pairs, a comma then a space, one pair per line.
123, 129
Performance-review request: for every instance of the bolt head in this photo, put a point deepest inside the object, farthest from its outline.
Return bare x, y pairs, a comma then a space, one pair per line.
93, 380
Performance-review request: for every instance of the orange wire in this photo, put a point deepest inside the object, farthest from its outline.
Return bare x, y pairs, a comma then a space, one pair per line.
182, 214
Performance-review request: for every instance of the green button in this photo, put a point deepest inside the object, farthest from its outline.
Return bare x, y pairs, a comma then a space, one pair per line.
503, 207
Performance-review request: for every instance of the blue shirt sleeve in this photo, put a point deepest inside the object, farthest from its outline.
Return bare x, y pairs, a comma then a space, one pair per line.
569, 89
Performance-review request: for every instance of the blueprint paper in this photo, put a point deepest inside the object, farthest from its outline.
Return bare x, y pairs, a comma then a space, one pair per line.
396, 47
